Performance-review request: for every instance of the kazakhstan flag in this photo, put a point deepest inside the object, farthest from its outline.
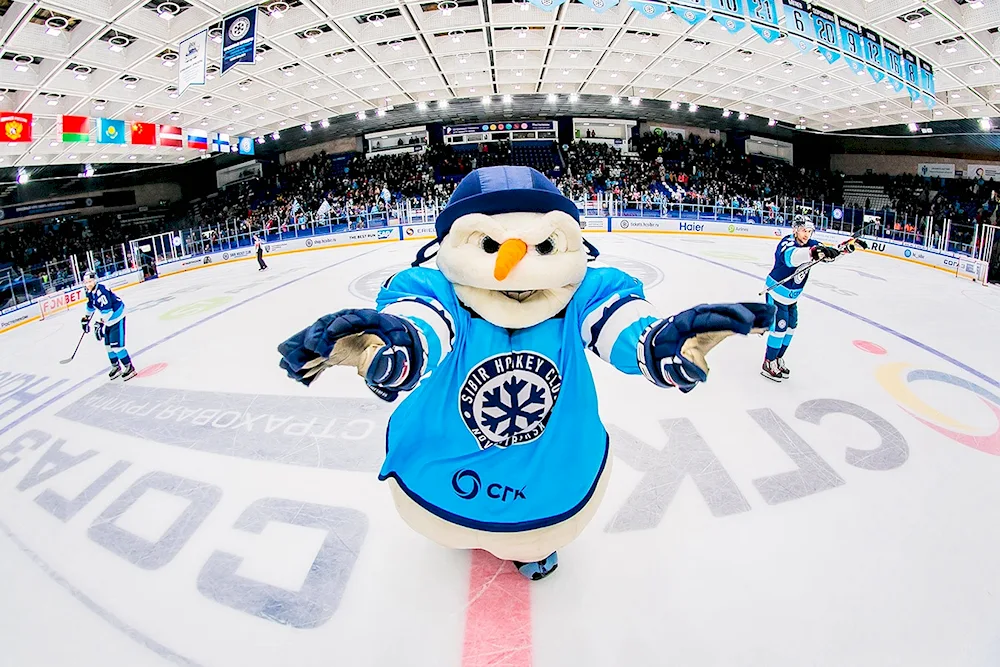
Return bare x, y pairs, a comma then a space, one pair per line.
110, 131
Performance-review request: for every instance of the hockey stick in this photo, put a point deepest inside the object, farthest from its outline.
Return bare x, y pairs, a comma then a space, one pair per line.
805, 267
77, 349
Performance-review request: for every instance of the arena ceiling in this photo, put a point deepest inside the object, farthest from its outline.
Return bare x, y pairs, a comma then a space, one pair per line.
326, 59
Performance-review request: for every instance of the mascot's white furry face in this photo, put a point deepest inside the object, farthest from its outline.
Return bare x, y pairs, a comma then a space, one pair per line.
514, 269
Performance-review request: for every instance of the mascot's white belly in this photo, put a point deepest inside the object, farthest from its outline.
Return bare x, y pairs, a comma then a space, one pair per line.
525, 546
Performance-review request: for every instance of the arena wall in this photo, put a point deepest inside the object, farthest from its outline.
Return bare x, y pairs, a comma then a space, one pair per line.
858, 164
55, 303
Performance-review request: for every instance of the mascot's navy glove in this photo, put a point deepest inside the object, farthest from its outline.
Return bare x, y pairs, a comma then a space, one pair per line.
99, 330
672, 351
386, 350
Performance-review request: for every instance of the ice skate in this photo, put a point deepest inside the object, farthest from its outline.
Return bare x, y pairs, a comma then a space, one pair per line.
771, 371
539, 569
116, 370
129, 373
782, 367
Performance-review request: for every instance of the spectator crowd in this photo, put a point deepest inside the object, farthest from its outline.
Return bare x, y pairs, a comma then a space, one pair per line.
355, 189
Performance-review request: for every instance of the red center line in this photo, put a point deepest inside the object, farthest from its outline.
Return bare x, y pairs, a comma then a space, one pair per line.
498, 617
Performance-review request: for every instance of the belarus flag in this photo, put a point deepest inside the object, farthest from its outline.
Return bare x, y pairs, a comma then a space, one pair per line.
172, 136
75, 129
144, 134
197, 139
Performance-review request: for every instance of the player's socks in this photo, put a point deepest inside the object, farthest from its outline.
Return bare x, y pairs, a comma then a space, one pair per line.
539, 569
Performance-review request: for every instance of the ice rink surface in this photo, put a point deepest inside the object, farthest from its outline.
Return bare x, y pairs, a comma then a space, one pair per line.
212, 512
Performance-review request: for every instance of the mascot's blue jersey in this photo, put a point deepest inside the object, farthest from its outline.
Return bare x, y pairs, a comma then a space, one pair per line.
502, 433
788, 257
107, 303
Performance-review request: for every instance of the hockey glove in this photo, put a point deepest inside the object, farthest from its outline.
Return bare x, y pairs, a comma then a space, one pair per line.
99, 330
672, 351
851, 245
85, 323
386, 350
824, 253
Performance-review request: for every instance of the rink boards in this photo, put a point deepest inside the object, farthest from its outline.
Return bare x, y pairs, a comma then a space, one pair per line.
950, 262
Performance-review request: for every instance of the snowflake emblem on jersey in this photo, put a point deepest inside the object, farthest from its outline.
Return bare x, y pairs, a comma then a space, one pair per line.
507, 399
800, 278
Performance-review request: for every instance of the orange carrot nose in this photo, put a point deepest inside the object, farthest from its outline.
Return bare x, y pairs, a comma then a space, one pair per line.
511, 252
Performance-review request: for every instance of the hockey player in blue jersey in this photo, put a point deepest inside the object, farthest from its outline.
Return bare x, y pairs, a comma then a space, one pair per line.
498, 444
793, 251
110, 325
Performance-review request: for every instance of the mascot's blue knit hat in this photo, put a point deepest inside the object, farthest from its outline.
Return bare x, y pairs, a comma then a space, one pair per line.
493, 190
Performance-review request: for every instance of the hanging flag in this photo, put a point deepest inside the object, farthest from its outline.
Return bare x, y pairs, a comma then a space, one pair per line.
172, 136
239, 39
927, 83
548, 5
799, 24
892, 58
192, 53
16, 126
850, 39
75, 129
825, 23
763, 15
692, 11
729, 14
649, 8
873, 54
220, 143
110, 131
246, 145
197, 139
143, 134
912, 75
599, 6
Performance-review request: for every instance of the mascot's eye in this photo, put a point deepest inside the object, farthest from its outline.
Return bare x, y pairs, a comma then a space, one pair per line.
546, 247
490, 246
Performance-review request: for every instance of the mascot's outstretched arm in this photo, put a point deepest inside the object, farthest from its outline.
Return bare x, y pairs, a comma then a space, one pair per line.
622, 328
392, 347
671, 352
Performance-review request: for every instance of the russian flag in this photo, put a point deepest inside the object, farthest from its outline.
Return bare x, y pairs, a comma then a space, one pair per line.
197, 139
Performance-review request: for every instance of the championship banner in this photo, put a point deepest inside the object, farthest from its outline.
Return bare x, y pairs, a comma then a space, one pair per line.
873, 54
548, 5
892, 59
850, 39
799, 24
239, 39
825, 23
729, 14
927, 82
692, 11
808, 27
16, 126
193, 56
763, 15
912, 75
599, 6
649, 9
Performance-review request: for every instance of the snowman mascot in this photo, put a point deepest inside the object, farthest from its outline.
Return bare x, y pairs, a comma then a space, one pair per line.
498, 444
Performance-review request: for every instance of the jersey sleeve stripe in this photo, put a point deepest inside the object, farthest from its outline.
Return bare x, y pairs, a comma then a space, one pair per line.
617, 317
436, 321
